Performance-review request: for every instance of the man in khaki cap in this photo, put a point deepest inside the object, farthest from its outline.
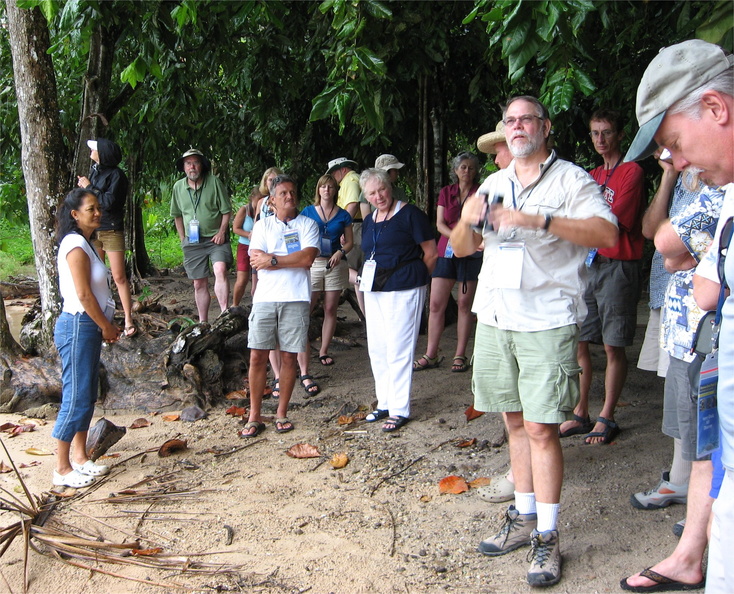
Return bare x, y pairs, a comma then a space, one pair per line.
391, 164
685, 103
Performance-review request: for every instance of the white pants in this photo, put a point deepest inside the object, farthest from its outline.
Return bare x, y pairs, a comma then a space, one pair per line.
393, 320
720, 572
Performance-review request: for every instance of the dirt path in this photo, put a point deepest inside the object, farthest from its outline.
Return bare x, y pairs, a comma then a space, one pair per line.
377, 525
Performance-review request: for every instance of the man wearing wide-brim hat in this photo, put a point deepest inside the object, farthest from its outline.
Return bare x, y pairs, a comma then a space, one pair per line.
201, 209
495, 143
392, 166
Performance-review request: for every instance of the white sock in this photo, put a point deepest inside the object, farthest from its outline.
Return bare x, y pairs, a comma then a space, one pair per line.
525, 503
547, 516
680, 469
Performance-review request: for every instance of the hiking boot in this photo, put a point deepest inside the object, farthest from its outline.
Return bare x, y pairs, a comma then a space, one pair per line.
515, 533
661, 496
545, 559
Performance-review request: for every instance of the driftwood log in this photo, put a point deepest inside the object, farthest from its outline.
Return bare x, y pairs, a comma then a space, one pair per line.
198, 366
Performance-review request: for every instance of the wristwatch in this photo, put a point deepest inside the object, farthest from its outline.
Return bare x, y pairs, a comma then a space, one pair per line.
273, 261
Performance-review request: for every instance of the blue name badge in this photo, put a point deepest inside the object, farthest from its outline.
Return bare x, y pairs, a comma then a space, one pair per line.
707, 439
292, 241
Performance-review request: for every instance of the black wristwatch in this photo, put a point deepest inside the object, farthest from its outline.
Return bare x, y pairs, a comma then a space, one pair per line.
273, 261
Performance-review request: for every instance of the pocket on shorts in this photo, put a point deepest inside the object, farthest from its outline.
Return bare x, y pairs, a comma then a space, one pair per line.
567, 386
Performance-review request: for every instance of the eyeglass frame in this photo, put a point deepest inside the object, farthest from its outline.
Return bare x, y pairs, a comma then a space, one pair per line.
605, 133
523, 119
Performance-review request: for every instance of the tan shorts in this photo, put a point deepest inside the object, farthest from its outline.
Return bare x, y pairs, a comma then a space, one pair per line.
110, 241
334, 279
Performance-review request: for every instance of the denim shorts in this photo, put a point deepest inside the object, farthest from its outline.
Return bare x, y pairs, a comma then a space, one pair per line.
282, 325
79, 342
536, 373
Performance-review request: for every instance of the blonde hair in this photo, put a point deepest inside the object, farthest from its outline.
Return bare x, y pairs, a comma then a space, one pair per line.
323, 180
264, 190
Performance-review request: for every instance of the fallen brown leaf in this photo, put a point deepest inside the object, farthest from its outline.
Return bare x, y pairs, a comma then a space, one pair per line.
21, 429
170, 446
481, 481
8, 425
38, 452
339, 461
345, 420
106, 456
465, 443
238, 395
425, 498
452, 484
34, 463
138, 423
29, 421
472, 414
236, 411
171, 417
5, 468
303, 450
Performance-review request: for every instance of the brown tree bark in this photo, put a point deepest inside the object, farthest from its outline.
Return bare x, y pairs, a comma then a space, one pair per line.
42, 150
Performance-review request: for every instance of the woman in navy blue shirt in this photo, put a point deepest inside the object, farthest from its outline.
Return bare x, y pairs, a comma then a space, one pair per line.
329, 272
400, 254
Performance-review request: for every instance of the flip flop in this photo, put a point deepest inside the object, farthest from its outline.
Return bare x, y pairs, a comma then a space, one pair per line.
257, 425
130, 331
326, 360
283, 425
276, 388
662, 583
585, 426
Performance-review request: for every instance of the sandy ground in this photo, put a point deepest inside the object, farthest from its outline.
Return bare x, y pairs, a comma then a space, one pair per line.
377, 525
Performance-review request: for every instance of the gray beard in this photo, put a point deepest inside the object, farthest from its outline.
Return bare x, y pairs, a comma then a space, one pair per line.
525, 150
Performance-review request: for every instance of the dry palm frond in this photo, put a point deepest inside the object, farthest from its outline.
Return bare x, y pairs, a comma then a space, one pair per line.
80, 551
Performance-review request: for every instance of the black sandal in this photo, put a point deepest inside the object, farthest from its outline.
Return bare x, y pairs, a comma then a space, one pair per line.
377, 415
311, 389
394, 423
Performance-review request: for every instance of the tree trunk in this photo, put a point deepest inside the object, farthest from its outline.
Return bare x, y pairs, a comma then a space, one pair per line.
42, 151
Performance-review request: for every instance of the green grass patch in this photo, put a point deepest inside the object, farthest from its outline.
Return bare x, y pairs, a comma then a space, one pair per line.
16, 251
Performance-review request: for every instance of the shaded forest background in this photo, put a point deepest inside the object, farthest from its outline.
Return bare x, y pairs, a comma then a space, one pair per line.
256, 83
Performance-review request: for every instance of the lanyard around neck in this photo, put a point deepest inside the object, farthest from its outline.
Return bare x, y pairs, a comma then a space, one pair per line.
535, 184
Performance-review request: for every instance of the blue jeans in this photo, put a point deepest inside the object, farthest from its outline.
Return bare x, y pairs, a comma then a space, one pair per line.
79, 342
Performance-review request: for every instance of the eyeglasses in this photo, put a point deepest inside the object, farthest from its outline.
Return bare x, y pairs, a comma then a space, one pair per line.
724, 241
523, 119
605, 133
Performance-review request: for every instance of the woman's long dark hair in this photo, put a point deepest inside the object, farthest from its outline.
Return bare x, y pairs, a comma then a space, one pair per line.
65, 223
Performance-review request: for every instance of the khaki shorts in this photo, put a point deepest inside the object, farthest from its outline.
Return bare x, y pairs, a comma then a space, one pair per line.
110, 241
282, 325
197, 256
536, 373
334, 279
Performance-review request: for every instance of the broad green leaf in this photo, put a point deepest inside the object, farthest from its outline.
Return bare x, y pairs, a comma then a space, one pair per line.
515, 38
377, 9
584, 82
370, 61
134, 73
520, 58
323, 104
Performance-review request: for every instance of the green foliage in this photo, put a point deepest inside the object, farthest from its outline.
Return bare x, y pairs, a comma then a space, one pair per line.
16, 250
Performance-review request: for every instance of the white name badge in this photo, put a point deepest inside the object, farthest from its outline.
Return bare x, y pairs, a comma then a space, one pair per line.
292, 242
509, 265
368, 276
193, 231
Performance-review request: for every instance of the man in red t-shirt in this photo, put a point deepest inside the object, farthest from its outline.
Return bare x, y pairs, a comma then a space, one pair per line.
613, 281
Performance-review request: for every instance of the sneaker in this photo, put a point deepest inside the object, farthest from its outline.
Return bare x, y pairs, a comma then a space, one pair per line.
545, 559
678, 527
515, 533
661, 496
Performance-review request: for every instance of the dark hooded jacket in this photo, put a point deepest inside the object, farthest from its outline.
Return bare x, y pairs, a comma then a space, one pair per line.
109, 183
